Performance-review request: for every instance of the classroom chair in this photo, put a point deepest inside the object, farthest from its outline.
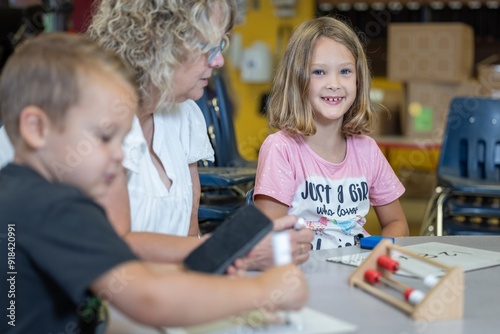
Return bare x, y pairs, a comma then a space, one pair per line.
224, 182
249, 196
467, 197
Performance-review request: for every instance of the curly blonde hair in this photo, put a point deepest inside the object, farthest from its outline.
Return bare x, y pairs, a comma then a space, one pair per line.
289, 108
155, 36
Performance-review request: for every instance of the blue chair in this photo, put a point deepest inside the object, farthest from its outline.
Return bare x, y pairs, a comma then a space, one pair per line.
205, 105
229, 155
218, 112
467, 196
249, 196
225, 182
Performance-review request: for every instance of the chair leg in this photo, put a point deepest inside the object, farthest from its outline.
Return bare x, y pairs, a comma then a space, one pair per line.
439, 216
429, 222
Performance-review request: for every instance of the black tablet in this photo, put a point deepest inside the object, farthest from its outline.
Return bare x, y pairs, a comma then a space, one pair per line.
234, 238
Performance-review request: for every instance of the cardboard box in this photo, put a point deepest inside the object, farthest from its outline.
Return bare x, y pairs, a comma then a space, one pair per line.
406, 154
488, 72
442, 52
418, 184
414, 162
427, 105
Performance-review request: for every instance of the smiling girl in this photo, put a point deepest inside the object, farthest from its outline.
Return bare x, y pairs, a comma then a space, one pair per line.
321, 165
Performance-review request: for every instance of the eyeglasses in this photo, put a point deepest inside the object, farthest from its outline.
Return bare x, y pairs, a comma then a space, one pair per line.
216, 50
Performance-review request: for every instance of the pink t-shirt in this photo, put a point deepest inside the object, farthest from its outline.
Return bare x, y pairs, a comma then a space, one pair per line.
334, 199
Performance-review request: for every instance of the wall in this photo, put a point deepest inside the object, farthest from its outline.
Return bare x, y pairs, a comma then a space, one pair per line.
260, 24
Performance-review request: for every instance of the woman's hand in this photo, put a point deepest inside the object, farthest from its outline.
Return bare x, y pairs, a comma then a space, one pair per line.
261, 256
237, 269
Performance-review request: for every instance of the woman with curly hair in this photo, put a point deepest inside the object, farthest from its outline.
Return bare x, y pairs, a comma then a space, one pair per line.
167, 44
172, 46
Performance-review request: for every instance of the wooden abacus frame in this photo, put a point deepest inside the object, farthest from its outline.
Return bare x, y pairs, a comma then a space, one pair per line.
444, 301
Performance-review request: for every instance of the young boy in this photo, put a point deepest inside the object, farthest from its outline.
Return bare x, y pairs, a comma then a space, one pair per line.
67, 105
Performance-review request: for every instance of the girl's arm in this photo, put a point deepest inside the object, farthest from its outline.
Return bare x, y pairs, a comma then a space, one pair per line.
171, 297
194, 229
270, 206
392, 220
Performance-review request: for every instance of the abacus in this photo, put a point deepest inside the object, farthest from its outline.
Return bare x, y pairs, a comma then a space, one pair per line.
442, 301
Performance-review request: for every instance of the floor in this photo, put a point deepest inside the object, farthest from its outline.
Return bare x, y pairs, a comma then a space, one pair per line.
414, 209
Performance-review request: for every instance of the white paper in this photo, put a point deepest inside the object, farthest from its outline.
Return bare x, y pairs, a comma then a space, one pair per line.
306, 321
451, 255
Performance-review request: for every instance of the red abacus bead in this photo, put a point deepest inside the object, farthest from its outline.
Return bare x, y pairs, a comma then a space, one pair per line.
408, 292
414, 296
387, 262
372, 276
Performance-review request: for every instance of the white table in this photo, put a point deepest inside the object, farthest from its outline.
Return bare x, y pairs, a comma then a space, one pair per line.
330, 293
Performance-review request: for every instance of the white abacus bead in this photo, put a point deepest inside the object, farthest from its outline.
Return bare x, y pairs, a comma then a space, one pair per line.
415, 297
430, 281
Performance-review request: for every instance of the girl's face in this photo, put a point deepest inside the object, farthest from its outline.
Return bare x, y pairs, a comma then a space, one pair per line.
192, 76
332, 83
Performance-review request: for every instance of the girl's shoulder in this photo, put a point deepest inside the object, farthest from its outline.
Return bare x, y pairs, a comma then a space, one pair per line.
363, 141
285, 145
364, 145
282, 137
283, 142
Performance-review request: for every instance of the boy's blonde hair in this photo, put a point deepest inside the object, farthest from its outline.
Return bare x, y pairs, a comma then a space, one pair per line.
155, 37
49, 72
289, 108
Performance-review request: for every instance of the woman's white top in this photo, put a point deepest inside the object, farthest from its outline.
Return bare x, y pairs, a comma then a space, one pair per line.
180, 138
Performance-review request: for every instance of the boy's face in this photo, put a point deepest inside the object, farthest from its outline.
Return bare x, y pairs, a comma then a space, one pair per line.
87, 151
